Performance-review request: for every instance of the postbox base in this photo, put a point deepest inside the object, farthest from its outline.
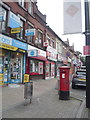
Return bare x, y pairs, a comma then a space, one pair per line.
64, 95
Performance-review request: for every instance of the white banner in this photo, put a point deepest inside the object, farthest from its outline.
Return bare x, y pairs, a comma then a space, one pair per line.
72, 16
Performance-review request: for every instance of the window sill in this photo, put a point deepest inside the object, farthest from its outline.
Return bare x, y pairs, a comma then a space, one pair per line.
21, 39
4, 32
30, 43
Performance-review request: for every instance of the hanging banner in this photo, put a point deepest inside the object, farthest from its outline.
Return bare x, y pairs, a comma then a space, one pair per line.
13, 20
72, 16
30, 32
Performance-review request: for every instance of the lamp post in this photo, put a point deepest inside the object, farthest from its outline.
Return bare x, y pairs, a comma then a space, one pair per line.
87, 37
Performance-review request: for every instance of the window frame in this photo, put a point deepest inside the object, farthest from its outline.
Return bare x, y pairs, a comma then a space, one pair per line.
32, 27
4, 23
37, 42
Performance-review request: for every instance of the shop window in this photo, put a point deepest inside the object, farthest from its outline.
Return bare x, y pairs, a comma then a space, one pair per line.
3, 21
30, 7
36, 67
15, 66
30, 38
21, 34
39, 39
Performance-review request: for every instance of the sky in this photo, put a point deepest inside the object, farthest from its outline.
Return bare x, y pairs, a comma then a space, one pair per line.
53, 9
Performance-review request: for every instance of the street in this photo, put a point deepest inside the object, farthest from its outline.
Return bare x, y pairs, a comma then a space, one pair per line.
45, 103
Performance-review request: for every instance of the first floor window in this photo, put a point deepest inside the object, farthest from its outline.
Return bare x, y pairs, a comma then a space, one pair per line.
30, 39
21, 34
3, 22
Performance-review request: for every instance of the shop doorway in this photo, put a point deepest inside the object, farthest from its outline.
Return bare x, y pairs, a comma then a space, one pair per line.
16, 67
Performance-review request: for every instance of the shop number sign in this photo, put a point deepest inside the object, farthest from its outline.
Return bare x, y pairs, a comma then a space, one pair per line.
26, 78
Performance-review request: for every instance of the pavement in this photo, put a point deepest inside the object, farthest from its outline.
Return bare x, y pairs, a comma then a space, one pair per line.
45, 102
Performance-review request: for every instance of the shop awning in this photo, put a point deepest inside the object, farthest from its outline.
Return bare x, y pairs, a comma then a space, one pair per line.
40, 58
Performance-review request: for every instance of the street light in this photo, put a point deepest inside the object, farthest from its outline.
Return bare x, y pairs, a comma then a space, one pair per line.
87, 36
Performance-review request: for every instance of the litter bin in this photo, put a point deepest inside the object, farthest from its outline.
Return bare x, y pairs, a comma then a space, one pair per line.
28, 91
64, 83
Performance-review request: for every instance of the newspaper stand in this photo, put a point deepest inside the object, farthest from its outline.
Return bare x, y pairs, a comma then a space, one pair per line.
28, 91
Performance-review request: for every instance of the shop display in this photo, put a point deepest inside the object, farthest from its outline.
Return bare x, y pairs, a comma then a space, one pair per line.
36, 67
15, 68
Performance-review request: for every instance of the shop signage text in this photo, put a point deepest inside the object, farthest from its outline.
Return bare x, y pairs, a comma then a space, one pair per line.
19, 44
51, 53
5, 39
40, 52
9, 47
14, 21
30, 32
11, 44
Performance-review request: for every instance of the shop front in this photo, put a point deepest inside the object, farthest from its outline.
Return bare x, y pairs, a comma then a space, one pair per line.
12, 60
51, 63
35, 65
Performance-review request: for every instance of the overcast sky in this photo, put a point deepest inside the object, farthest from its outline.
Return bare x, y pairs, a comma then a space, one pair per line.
54, 12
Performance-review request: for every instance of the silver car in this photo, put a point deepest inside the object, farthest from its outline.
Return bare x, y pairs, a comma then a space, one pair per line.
79, 79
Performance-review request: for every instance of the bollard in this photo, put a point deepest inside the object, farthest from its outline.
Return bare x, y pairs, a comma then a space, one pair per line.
64, 83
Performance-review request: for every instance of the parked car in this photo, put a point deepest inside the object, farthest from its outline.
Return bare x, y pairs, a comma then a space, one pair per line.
79, 79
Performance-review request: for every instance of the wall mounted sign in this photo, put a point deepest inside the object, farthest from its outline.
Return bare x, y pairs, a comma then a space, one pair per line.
9, 47
6, 40
30, 32
13, 20
11, 44
51, 53
33, 53
15, 30
19, 44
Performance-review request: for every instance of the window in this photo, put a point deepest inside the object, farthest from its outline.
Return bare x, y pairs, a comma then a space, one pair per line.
52, 43
22, 3
33, 66
3, 22
48, 39
20, 35
30, 8
36, 66
30, 38
39, 40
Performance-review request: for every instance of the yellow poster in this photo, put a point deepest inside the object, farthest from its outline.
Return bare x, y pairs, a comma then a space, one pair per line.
9, 47
1, 79
15, 30
26, 77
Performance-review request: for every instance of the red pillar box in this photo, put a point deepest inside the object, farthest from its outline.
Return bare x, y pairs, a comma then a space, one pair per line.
64, 83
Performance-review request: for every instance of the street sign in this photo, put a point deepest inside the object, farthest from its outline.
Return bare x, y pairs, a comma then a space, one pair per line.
86, 50
15, 30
